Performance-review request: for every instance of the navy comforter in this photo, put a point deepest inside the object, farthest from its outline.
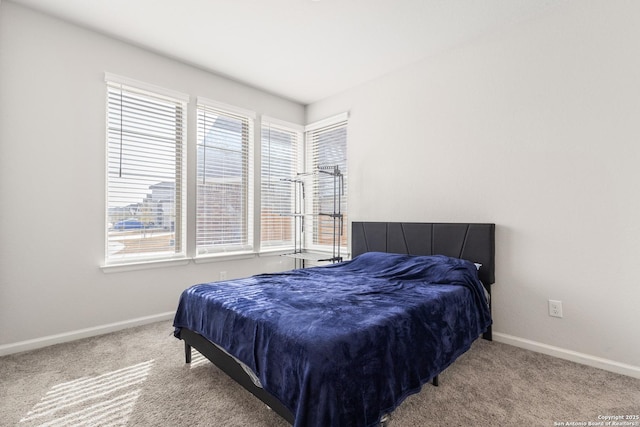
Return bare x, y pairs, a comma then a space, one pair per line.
341, 345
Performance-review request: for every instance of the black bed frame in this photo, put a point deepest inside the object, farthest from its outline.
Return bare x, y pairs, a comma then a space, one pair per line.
474, 242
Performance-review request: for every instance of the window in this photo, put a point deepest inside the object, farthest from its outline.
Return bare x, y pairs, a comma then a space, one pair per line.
145, 172
146, 182
326, 147
224, 179
280, 162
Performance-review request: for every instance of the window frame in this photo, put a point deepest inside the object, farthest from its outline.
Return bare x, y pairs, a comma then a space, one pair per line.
313, 225
177, 200
296, 165
247, 246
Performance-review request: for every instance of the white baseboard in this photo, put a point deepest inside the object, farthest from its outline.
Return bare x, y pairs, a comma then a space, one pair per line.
81, 333
585, 359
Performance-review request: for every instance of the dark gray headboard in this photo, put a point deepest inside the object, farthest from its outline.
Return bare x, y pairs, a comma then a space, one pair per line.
473, 242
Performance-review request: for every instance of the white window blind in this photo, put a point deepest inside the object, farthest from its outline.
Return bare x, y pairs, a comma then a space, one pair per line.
326, 145
145, 173
224, 180
280, 162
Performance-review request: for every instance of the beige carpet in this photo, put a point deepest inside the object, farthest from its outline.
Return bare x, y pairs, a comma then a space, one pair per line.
138, 377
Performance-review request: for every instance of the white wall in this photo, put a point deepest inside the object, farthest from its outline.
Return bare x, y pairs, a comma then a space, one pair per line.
52, 157
537, 128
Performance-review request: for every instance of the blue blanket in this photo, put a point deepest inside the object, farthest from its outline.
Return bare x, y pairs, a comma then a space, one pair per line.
341, 345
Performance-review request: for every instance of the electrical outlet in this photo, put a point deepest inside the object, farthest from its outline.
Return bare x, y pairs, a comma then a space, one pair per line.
223, 275
555, 308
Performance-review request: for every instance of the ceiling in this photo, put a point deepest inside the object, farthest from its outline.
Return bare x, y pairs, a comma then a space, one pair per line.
303, 50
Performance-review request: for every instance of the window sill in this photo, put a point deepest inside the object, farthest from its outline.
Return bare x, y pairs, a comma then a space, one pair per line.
144, 265
275, 252
223, 256
202, 259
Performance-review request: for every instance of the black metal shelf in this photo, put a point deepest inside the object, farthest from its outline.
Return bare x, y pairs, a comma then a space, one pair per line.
301, 252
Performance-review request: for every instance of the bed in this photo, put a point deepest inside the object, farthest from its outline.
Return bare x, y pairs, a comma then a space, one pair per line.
345, 344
